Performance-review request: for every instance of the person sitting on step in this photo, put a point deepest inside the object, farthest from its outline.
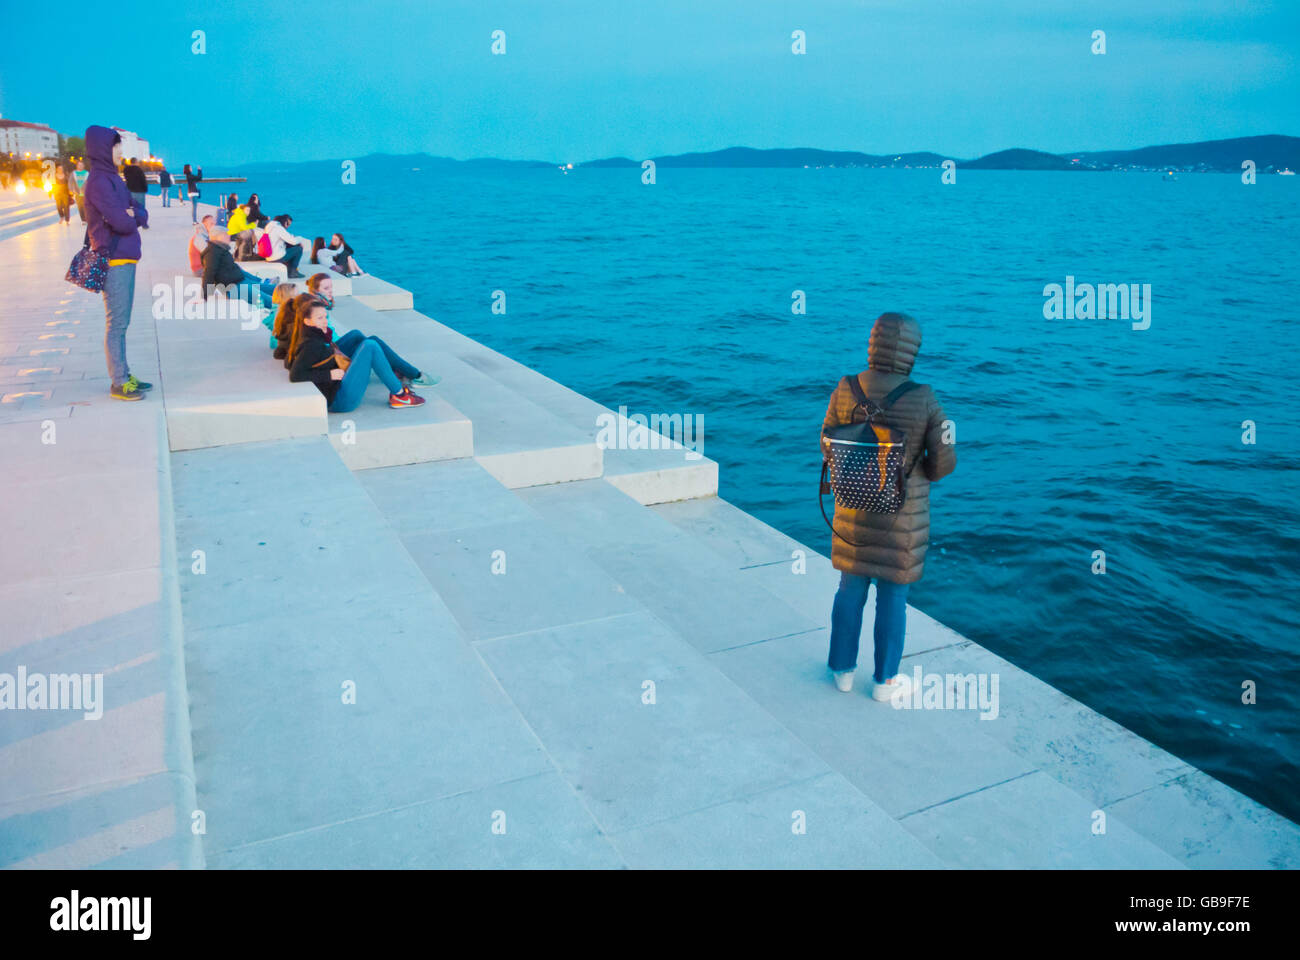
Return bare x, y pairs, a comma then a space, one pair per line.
322, 286
341, 379
286, 248
219, 267
281, 296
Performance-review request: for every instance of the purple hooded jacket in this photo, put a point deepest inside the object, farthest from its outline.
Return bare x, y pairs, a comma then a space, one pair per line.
113, 231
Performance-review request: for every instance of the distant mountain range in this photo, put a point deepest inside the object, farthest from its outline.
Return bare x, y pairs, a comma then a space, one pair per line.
1270, 153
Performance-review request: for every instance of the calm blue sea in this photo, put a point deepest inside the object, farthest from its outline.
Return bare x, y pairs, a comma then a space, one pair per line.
1073, 435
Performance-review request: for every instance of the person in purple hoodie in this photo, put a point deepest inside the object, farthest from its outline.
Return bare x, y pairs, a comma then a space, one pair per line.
114, 220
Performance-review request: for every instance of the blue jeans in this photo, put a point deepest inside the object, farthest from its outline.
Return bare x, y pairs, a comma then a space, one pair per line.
119, 292
264, 287
846, 624
369, 357
194, 209
349, 342
139, 198
167, 196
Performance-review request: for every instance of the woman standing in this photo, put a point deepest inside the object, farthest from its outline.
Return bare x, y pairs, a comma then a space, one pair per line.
62, 195
113, 230
192, 180
886, 547
79, 181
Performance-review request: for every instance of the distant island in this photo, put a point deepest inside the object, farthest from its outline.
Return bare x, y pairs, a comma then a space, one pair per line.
1272, 153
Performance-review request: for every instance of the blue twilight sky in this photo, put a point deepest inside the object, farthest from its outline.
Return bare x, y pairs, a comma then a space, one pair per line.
583, 79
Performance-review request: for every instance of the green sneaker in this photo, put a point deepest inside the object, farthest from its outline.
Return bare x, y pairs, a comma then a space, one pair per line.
127, 391
425, 380
138, 384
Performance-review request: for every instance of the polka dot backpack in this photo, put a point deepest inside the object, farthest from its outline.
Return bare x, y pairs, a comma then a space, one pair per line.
864, 459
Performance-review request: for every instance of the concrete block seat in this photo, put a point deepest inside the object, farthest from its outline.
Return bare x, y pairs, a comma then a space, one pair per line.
221, 387
517, 441
657, 471
280, 273
375, 435
380, 294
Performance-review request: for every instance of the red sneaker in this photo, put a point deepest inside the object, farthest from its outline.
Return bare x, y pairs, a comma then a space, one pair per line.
404, 399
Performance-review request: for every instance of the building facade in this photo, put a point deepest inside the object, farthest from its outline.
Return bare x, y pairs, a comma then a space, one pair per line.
133, 146
23, 139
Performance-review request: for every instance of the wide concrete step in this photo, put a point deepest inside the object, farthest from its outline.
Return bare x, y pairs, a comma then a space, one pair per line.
646, 464
340, 718
1162, 798
109, 783
725, 599
221, 386
517, 441
577, 654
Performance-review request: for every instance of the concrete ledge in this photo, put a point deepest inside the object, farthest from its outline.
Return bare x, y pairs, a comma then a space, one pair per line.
226, 390
516, 441
380, 294
280, 273
374, 435
655, 473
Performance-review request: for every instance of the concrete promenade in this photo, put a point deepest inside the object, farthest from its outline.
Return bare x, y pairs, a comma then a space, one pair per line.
468, 636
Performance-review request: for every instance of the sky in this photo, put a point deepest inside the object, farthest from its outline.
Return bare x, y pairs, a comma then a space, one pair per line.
582, 80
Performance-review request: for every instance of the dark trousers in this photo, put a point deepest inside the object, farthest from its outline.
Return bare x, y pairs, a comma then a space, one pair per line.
291, 257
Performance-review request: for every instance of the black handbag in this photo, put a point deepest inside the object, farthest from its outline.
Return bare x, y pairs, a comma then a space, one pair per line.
862, 461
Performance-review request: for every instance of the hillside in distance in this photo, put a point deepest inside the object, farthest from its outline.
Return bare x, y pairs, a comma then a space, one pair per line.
782, 157
1270, 153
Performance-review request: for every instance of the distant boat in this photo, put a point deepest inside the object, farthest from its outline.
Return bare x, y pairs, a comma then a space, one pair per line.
1288, 172
1169, 176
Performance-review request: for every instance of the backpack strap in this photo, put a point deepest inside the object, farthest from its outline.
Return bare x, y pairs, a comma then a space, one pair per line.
871, 408
897, 392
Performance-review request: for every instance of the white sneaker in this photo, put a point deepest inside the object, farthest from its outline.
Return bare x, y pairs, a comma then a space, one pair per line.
884, 692
844, 680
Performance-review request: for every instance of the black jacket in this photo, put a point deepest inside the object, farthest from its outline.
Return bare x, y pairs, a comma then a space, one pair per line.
133, 174
192, 181
314, 362
219, 267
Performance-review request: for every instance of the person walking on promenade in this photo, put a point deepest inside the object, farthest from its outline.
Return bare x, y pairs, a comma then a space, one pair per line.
136, 182
165, 184
192, 181
114, 221
888, 548
62, 195
79, 181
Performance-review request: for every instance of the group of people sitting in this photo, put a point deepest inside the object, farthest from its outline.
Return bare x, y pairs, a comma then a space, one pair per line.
300, 332
340, 367
258, 237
